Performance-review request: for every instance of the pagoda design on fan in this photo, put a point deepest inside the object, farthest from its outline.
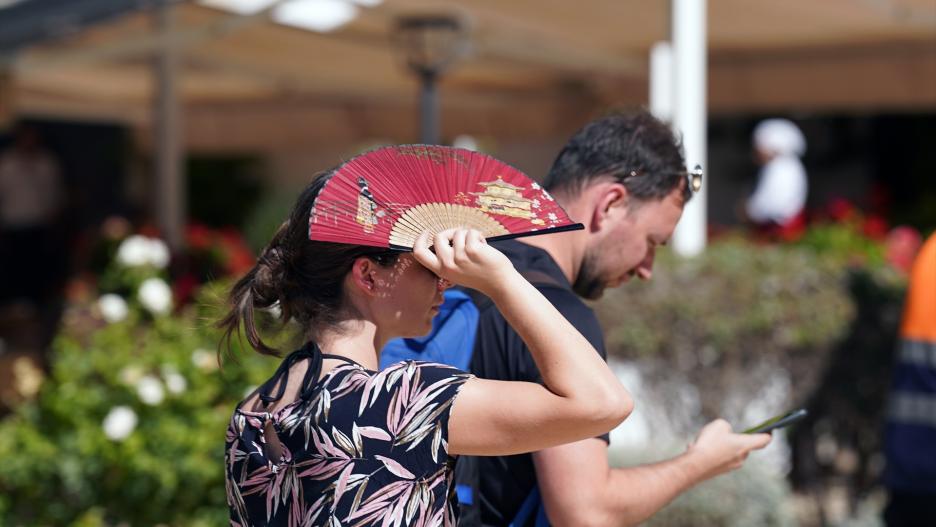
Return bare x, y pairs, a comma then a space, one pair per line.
500, 197
389, 196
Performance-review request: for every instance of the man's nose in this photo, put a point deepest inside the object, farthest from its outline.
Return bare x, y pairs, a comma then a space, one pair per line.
645, 269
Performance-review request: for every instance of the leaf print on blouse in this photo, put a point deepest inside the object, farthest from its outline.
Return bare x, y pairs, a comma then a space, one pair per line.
402, 500
414, 410
396, 468
362, 449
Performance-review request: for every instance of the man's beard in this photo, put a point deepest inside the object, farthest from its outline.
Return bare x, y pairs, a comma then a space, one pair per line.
588, 282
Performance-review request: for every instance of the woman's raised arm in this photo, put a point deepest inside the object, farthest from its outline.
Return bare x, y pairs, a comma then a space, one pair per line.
581, 397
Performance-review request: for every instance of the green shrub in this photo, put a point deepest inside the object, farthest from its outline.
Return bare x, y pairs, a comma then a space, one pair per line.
59, 465
736, 300
746, 328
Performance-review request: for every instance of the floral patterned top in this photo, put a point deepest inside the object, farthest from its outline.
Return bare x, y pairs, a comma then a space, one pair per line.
356, 448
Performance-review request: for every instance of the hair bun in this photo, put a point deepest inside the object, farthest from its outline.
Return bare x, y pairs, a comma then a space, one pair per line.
269, 277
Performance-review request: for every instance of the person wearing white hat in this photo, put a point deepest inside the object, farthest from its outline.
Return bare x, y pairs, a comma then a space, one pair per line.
782, 186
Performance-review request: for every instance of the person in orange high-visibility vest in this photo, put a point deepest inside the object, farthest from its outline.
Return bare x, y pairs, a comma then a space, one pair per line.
910, 435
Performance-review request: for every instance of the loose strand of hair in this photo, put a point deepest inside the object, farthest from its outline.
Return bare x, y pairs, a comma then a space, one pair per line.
240, 318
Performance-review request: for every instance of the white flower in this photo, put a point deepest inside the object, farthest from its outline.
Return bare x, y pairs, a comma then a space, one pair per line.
131, 375
150, 390
113, 307
158, 253
536, 203
27, 376
175, 382
139, 250
155, 296
535, 186
552, 217
133, 251
204, 360
119, 423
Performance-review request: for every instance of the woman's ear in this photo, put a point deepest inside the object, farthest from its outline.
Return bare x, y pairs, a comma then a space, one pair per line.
363, 275
609, 201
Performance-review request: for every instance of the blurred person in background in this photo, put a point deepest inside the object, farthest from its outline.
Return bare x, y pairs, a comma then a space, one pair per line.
910, 432
777, 206
32, 198
623, 176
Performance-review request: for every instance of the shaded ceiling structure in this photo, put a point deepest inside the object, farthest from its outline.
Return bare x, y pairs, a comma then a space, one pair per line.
221, 76
534, 68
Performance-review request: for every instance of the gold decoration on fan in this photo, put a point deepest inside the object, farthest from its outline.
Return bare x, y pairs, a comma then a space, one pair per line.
437, 217
500, 197
436, 155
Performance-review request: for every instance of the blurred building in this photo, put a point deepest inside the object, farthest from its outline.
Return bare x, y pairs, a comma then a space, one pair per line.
308, 88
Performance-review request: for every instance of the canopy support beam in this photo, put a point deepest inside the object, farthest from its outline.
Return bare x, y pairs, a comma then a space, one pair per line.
171, 200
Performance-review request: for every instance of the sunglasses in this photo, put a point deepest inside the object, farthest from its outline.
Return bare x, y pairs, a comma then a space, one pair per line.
693, 177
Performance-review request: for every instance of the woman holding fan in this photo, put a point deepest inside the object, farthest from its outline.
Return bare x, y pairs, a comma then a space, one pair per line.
363, 258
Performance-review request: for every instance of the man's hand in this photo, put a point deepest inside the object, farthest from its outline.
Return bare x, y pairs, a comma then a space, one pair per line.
579, 489
718, 450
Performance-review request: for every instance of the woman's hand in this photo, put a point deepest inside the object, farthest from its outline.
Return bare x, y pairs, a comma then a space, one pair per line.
463, 256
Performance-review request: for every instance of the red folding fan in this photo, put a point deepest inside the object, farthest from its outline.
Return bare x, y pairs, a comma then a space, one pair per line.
389, 196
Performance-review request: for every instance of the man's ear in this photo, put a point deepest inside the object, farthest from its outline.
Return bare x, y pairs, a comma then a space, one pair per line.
363, 275
610, 200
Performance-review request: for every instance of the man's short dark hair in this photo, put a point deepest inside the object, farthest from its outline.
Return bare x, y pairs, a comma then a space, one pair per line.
635, 148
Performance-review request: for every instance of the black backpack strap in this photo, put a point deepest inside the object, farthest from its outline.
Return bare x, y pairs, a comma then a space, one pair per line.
467, 487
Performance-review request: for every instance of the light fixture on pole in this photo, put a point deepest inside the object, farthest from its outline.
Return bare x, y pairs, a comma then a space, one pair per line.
430, 44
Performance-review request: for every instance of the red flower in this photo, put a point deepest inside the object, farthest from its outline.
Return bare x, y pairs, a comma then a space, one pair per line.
902, 245
239, 259
875, 227
184, 288
150, 231
198, 236
840, 209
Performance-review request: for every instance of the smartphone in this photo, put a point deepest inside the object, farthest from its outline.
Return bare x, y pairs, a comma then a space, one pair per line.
778, 421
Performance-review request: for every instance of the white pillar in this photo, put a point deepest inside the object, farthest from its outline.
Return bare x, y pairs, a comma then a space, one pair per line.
690, 116
661, 81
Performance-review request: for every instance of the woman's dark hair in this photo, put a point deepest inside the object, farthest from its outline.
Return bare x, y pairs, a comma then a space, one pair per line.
620, 145
304, 278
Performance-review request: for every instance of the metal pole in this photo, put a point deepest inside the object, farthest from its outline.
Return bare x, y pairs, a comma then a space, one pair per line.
170, 179
690, 116
429, 108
